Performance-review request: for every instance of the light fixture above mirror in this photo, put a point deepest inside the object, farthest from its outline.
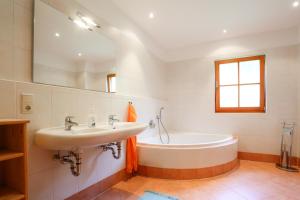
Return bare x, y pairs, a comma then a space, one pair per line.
84, 22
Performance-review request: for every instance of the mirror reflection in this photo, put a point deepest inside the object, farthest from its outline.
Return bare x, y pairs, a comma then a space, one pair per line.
72, 51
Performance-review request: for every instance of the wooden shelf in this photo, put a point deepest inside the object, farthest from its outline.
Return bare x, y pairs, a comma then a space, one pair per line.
7, 155
10, 194
13, 121
13, 159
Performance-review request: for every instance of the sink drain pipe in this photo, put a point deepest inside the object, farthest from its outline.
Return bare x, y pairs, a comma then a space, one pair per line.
110, 147
74, 158
71, 158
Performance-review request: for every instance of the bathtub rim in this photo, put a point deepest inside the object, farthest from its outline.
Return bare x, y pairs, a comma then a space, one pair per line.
229, 139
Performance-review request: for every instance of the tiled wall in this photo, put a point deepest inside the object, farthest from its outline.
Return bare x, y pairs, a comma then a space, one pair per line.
15, 39
48, 178
191, 101
298, 102
139, 78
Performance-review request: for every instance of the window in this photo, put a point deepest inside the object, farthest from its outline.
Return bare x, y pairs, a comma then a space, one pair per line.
111, 83
240, 85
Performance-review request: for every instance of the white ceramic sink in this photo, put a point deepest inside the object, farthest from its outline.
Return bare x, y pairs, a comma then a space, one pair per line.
57, 138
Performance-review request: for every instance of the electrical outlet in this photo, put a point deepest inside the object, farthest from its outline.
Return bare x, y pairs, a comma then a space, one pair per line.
27, 104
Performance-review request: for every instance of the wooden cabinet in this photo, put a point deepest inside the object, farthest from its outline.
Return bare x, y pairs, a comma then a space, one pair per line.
13, 160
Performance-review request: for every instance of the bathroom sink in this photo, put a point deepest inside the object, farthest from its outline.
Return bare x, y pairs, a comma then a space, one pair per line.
57, 138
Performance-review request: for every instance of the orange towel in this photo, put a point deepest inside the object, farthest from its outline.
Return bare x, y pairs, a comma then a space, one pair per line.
131, 152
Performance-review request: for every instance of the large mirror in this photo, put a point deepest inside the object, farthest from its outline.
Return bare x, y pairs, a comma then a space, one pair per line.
72, 51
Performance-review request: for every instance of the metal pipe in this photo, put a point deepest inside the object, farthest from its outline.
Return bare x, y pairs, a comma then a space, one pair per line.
75, 167
110, 147
71, 158
74, 159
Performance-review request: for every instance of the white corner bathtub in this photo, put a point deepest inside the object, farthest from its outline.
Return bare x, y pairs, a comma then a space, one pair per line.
187, 156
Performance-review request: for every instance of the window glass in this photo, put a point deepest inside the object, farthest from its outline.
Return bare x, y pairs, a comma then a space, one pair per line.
250, 72
228, 96
228, 74
113, 84
250, 95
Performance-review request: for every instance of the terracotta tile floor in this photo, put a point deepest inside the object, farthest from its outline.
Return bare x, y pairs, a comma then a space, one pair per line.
250, 181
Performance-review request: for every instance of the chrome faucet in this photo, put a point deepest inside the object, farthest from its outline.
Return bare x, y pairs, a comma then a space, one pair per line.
112, 120
69, 123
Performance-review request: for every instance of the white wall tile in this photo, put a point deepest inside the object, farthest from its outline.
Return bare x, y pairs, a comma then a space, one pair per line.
84, 105
41, 116
8, 99
63, 104
120, 106
103, 106
90, 168
90, 102
108, 165
23, 25
64, 183
39, 159
27, 4
6, 60
22, 64
6, 20
41, 186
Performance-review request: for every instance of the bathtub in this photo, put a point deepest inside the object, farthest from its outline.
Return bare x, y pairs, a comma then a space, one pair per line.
187, 156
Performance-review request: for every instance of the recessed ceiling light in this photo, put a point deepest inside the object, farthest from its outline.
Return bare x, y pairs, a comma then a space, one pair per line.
57, 35
224, 31
151, 15
79, 54
295, 4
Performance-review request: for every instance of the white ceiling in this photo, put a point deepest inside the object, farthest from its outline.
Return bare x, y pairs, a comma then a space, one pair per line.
183, 23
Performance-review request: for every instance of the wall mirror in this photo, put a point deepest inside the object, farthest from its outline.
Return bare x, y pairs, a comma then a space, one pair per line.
72, 51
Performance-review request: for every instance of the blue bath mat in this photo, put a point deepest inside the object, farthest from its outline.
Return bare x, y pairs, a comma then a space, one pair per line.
149, 195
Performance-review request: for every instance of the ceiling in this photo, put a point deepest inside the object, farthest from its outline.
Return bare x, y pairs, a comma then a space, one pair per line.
184, 23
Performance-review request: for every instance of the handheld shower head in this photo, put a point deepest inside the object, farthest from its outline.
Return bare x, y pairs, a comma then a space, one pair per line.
160, 111
160, 123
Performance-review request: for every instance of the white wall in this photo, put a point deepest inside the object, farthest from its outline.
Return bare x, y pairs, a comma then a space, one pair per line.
48, 179
191, 100
298, 101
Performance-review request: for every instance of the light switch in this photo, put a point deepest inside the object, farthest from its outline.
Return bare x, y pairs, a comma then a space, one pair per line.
27, 104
